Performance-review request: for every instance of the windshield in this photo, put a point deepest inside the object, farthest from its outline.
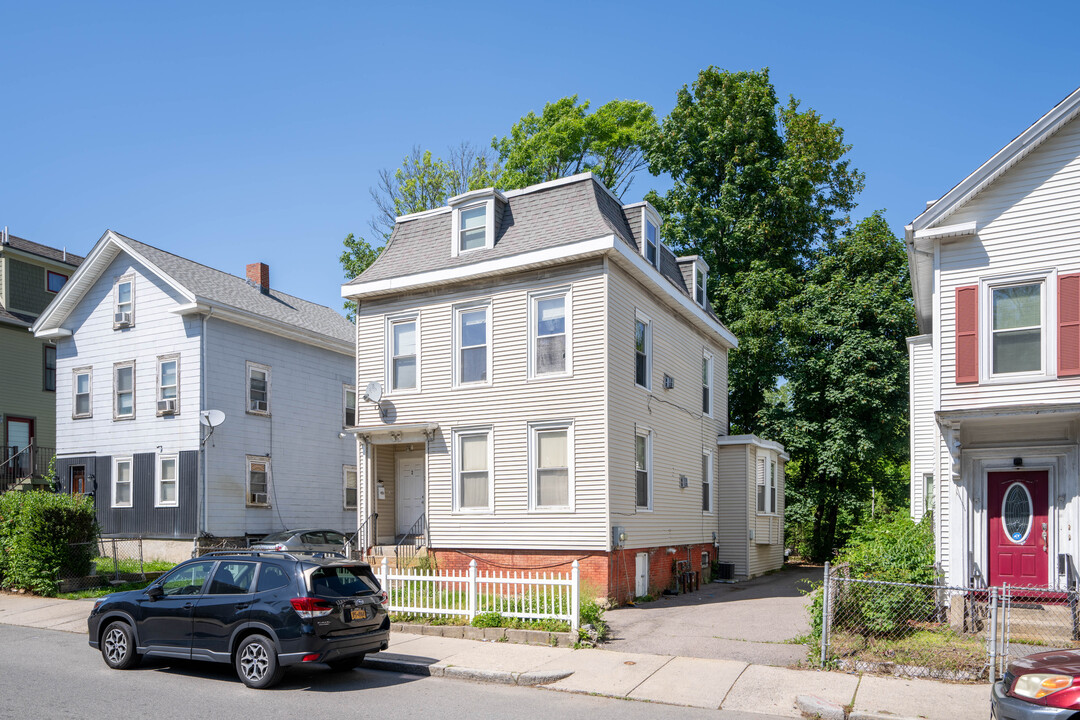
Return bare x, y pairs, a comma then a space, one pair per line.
278, 537
343, 581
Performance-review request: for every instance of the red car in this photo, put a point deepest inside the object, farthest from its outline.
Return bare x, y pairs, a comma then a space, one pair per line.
1044, 686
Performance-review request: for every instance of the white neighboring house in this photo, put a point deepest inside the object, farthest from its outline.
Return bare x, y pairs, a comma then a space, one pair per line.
555, 389
995, 376
146, 340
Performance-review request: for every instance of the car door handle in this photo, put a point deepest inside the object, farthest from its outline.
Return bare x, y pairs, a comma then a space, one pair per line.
242, 606
188, 606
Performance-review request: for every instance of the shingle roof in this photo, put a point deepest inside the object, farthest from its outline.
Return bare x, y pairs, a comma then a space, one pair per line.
221, 287
44, 251
573, 211
15, 318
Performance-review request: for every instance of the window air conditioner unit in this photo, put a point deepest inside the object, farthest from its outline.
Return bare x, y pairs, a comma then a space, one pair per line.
122, 319
669, 382
167, 407
258, 405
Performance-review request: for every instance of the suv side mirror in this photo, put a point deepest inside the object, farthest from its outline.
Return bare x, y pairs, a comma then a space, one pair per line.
154, 592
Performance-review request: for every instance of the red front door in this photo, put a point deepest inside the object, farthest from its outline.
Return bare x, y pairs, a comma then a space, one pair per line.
1017, 527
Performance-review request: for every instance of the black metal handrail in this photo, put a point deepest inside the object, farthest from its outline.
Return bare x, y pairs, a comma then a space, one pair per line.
408, 547
20, 464
358, 540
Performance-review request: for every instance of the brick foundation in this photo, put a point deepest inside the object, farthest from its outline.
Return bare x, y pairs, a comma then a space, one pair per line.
604, 574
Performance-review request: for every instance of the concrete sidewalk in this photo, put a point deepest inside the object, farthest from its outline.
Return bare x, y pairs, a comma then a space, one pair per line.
673, 680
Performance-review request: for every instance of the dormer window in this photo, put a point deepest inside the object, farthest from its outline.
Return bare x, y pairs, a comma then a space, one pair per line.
699, 286
473, 220
652, 241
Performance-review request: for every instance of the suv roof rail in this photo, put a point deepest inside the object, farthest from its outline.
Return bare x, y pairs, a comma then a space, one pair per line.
292, 554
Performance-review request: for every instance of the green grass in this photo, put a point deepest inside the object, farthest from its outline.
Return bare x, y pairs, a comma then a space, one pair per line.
102, 591
106, 566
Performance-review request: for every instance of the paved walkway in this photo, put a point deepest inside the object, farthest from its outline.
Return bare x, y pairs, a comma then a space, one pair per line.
674, 680
749, 621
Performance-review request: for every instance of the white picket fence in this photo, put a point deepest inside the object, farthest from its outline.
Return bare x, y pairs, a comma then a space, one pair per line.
527, 596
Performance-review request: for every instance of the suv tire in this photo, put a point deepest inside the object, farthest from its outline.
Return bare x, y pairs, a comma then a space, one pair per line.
346, 663
118, 646
257, 662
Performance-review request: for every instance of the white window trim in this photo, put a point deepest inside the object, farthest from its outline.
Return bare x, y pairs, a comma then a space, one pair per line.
172, 357
117, 461
158, 481
455, 435
345, 470
548, 425
247, 390
116, 390
707, 357
769, 460
129, 278
647, 434
704, 286
648, 215
456, 360
345, 390
1048, 279
75, 373
927, 492
534, 298
709, 480
252, 459
489, 226
642, 317
388, 380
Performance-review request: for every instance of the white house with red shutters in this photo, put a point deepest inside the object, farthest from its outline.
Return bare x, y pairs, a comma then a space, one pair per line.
995, 376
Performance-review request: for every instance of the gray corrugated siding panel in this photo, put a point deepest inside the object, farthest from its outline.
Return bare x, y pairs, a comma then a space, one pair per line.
542, 219
237, 292
102, 470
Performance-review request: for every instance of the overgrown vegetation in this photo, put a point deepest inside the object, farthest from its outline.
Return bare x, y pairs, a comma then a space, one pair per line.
103, 591
44, 535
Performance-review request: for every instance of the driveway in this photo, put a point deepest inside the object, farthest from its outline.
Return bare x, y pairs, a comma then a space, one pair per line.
749, 621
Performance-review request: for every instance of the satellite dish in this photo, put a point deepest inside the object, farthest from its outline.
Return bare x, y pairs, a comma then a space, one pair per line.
211, 418
373, 392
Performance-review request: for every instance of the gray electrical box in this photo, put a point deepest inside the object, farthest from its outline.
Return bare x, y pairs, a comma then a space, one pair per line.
684, 481
618, 536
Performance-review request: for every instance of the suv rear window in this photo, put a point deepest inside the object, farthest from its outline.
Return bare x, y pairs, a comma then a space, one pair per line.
343, 581
271, 578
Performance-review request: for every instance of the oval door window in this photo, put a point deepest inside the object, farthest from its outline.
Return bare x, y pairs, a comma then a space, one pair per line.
1016, 513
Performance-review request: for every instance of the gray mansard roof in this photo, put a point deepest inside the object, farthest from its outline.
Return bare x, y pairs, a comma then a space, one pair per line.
545, 216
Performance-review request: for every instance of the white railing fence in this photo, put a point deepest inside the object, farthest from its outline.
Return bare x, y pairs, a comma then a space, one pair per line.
521, 595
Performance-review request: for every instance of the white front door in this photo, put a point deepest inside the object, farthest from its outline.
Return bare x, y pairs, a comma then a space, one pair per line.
641, 587
409, 481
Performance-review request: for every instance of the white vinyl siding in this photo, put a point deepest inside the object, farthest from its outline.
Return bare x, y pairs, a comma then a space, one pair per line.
165, 494
507, 406
122, 485
923, 427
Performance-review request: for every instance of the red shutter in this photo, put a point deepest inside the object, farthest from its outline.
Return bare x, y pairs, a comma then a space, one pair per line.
967, 334
1068, 316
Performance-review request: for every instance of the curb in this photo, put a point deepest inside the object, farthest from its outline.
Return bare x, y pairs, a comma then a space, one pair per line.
877, 716
815, 707
498, 677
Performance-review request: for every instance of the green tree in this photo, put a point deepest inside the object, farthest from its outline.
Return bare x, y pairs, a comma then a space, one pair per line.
566, 139
845, 337
757, 186
355, 259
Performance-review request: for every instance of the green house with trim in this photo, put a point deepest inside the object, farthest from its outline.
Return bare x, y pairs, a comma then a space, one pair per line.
30, 276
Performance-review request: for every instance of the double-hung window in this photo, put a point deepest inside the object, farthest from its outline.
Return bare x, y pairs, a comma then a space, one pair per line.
404, 354
1017, 319
48, 373
258, 388
706, 385
472, 470
472, 228
706, 482
699, 286
928, 492
81, 406
652, 242
258, 481
349, 401
549, 330
472, 340
121, 483
168, 380
766, 484
349, 487
124, 302
165, 494
551, 465
124, 390
642, 350
643, 470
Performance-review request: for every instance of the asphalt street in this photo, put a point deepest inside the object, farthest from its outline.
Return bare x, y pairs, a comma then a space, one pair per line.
50, 674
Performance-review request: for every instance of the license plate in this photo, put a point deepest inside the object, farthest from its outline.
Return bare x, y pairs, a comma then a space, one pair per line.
358, 614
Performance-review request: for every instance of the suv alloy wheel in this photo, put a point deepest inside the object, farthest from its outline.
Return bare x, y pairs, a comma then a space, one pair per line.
257, 662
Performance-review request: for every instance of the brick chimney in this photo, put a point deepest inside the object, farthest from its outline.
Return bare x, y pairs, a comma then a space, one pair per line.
259, 274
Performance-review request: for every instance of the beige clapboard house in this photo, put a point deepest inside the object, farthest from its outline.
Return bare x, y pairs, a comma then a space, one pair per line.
548, 383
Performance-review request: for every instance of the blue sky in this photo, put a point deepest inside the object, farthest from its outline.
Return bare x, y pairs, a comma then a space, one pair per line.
239, 132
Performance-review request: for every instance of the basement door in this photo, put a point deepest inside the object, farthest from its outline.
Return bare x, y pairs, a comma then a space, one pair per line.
1017, 527
641, 566
409, 504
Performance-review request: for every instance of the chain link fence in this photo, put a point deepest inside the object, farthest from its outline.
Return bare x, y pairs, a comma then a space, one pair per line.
967, 634
108, 561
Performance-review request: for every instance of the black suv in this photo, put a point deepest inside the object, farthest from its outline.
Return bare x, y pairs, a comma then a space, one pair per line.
261, 611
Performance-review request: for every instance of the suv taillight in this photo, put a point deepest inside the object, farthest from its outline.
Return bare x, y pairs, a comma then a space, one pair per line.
384, 598
309, 607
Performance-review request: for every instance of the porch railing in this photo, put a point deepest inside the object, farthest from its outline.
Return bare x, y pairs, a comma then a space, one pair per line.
408, 547
357, 542
20, 464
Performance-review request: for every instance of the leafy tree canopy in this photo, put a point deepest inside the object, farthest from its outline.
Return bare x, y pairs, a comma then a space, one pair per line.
566, 139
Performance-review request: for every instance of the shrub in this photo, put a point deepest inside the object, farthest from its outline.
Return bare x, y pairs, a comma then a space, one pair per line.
39, 536
488, 620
